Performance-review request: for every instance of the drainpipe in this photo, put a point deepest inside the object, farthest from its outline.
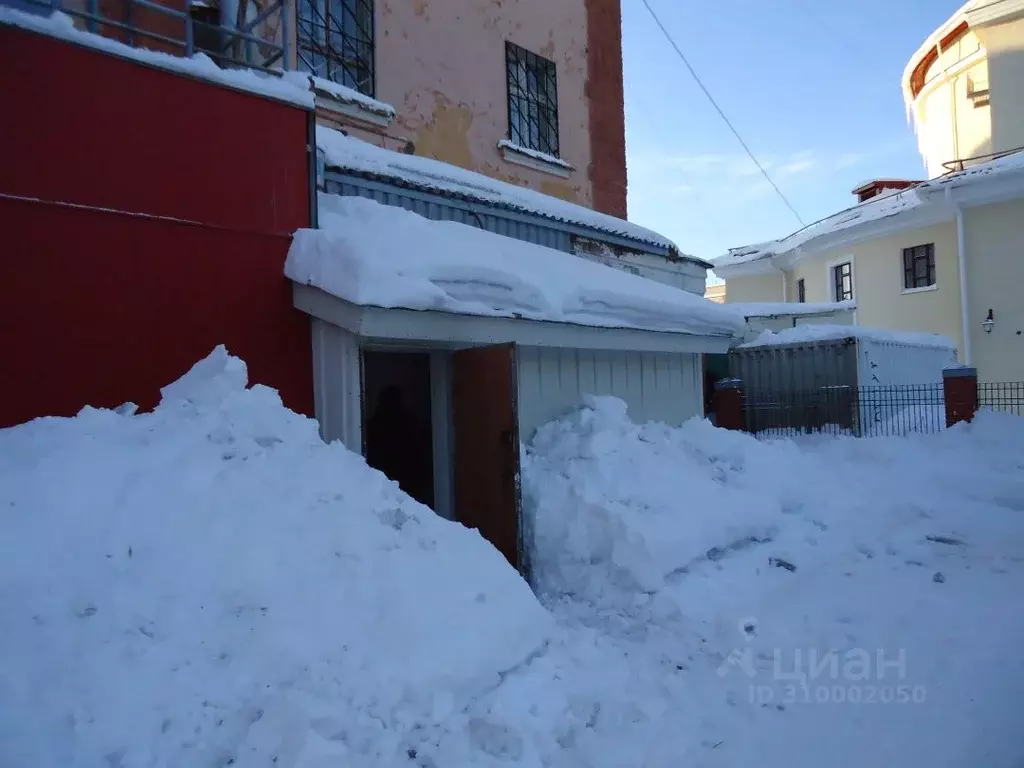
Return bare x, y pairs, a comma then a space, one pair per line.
961, 258
783, 287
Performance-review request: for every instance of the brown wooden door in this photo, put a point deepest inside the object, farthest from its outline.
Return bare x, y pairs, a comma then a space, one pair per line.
486, 437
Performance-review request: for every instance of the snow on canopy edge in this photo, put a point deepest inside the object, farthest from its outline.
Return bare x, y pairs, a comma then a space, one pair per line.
350, 153
343, 258
805, 334
61, 26
783, 308
339, 92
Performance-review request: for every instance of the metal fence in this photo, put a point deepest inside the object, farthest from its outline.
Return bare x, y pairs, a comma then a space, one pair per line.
857, 411
257, 36
1007, 397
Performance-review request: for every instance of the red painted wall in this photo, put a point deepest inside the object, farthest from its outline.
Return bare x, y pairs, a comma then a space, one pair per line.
99, 307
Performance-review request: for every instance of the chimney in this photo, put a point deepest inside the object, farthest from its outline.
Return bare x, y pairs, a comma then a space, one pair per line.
877, 187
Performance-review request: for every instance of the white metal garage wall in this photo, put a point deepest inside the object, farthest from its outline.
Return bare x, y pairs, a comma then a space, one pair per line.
337, 385
656, 386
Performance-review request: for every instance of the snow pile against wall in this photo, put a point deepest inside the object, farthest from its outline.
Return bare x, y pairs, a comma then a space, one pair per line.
775, 599
808, 333
632, 525
349, 153
382, 256
209, 584
200, 65
620, 507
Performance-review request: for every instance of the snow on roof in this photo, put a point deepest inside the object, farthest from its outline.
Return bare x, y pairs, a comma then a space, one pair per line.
356, 155
803, 334
746, 254
875, 208
1012, 162
878, 207
200, 66
340, 92
383, 256
787, 308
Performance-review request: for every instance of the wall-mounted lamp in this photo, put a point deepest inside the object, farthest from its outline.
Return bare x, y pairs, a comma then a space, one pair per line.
989, 322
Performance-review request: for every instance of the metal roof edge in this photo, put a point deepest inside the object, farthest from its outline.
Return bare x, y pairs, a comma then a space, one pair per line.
524, 214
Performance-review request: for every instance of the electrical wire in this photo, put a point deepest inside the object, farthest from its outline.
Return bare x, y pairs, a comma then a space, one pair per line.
721, 114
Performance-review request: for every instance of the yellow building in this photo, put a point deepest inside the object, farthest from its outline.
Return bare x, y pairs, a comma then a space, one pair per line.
942, 256
715, 292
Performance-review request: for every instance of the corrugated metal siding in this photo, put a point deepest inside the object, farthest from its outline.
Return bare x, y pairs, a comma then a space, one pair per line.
837, 362
884, 363
656, 386
795, 367
337, 385
439, 208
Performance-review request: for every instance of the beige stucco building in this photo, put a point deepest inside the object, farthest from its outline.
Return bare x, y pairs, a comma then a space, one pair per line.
940, 256
963, 86
529, 92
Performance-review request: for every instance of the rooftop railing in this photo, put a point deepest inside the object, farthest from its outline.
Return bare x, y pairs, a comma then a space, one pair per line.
235, 33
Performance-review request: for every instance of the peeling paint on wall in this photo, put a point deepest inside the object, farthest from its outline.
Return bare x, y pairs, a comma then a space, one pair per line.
445, 134
442, 65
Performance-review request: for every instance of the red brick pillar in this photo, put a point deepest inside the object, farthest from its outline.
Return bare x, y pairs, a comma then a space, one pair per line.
960, 391
604, 90
729, 404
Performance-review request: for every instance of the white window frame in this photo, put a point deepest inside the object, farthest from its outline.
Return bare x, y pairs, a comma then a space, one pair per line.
830, 281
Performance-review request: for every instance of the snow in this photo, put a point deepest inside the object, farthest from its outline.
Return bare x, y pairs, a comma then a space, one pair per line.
61, 26
384, 256
350, 153
209, 584
787, 308
340, 93
770, 602
746, 254
535, 154
879, 207
809, 333
876, 208
1007, 164
224, 588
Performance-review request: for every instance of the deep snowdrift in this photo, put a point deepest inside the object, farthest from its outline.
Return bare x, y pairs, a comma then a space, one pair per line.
833, 601
209, 584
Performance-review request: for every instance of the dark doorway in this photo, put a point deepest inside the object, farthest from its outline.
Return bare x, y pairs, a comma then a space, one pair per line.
485, 421
397, 431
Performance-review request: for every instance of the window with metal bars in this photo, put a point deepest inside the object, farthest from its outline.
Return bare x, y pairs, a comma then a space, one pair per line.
335, 41
801, 291
532, 100
842, 280
919, 266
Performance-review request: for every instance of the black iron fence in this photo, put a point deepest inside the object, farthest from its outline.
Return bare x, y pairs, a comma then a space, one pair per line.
887, 411
1007, 397
857, 411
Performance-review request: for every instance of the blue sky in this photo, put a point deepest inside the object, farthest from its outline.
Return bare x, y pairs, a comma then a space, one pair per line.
813, 86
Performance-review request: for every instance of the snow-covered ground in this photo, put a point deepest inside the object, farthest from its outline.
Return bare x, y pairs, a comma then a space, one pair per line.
209, 585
